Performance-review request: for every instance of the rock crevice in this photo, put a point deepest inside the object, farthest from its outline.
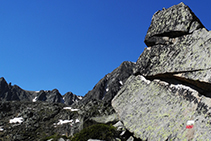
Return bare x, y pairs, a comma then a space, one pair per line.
175, 21
171, 81
201, 86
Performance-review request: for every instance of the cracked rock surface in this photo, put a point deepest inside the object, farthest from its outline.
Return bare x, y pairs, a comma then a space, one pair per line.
171, 84
172, 22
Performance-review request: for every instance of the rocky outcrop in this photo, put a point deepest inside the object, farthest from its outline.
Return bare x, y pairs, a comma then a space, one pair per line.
171, 84
49, 96
166, 25
70, 98
9, 92
109, 85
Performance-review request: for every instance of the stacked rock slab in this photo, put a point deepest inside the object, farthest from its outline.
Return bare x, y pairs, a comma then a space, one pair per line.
172, 80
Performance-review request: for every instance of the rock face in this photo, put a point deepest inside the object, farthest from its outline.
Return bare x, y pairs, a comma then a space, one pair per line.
9, 93
70, 98
166, 24
50, 96
108, 86
171, 83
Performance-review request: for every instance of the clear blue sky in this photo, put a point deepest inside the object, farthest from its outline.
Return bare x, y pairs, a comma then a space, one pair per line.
71, 44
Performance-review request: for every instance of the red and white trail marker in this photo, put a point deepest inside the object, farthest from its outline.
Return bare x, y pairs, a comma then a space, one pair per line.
189, 124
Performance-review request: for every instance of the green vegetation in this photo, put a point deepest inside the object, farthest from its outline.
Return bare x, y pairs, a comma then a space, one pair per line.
55, 137
97, 131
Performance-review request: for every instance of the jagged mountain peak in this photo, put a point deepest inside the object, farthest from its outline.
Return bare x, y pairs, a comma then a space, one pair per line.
16, 93
108, 86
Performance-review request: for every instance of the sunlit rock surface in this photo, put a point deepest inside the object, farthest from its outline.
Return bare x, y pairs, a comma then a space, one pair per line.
171, 84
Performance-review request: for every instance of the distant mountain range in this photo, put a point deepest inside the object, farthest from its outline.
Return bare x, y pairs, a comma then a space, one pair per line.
15, 93
104, 90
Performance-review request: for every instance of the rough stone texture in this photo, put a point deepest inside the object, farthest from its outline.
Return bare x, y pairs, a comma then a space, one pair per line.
40, 120
105, 119
187, 59
171, 82
172, 22
189, 53
9, 92
50, 96
159, 110
70, 98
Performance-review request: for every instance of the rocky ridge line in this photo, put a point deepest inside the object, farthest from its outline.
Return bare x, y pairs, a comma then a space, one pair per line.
15, 93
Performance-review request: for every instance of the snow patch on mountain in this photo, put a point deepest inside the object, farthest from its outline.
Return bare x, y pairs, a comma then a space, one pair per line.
16, 120
35, 99
70, 108
64, 122
1, 128
120, 82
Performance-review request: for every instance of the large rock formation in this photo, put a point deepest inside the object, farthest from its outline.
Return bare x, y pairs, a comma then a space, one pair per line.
169, 23
172, 80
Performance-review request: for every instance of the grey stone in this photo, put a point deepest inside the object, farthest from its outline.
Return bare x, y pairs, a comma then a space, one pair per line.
160, 110
130, 138
119, 125
61, 139
105, 119
172, 22
70, 98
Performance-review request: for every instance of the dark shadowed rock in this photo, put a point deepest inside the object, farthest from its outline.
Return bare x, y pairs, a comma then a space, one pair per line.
108, 86
70, 98
167, 24
10, 93
15, 93
4, 89
50, 96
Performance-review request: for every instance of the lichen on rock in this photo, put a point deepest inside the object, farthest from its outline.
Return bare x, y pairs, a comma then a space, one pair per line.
171, 83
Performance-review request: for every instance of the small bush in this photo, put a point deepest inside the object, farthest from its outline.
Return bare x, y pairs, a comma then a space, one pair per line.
55, 137
97, 131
